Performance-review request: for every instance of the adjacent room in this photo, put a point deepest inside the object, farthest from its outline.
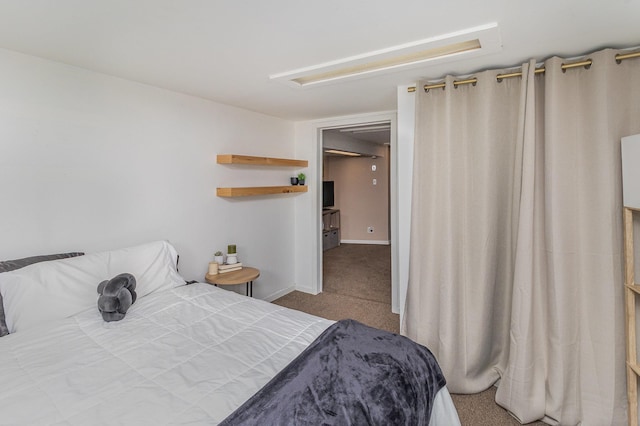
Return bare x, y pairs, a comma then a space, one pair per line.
356, 243
319, 213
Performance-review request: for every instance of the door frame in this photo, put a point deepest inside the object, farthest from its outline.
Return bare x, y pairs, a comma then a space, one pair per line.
362, 119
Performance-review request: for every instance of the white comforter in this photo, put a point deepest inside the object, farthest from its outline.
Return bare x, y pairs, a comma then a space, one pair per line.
189, 355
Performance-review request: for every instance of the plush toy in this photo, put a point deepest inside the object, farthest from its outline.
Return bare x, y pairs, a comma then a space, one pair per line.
116, 296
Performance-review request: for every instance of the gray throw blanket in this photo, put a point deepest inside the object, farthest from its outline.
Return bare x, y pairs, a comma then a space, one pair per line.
350, 375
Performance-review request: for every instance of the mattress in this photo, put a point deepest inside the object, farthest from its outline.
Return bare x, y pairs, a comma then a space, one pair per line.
186, 355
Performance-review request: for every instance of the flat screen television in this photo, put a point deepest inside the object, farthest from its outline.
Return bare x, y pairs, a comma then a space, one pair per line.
327, 194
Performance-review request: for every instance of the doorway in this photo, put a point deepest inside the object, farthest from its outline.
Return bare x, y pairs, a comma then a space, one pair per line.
372, 172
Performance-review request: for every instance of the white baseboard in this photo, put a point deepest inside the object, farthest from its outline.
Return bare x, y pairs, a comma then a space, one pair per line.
376, 242
278, 294
307, 290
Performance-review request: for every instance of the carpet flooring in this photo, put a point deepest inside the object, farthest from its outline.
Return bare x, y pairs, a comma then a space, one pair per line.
358, 270
357, 284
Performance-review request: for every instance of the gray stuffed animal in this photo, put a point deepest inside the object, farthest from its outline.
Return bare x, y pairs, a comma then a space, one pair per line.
116, 296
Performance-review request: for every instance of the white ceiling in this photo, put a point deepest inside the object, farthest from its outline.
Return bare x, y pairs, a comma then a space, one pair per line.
366, 132
226, 50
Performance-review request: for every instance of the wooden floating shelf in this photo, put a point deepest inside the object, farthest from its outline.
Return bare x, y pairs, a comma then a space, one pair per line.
259, 190
260, 161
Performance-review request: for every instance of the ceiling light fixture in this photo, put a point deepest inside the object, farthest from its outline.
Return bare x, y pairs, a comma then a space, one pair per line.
364, 129
338, 152
355, 132
471, 42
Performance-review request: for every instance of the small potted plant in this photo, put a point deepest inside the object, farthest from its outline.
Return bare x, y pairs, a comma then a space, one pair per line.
301, 178
218, 257
232, 256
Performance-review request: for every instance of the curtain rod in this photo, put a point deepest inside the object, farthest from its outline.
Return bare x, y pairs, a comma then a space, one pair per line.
586, 63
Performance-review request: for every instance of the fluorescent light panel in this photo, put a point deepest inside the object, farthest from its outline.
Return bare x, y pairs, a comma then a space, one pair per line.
364, 129
390, 63
470, 43
347, 153
357, 132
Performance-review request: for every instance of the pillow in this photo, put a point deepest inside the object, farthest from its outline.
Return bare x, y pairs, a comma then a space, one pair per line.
53, 290
116, 296
12, 265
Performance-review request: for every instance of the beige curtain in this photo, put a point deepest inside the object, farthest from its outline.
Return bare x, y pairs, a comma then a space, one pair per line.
516, 246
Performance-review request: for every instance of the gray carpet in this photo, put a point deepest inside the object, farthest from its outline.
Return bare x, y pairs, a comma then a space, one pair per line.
357, 284
334, 306
358, 270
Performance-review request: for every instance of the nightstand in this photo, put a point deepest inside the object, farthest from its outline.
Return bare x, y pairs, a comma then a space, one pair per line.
246, 275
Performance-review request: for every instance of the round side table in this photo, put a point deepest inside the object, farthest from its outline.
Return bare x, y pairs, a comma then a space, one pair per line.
246, 275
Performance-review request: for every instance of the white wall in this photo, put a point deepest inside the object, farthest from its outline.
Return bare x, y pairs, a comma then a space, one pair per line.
308, 223
406, 123
362, 204
91, 162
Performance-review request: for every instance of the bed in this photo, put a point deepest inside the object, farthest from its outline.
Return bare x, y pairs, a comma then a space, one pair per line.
183, 354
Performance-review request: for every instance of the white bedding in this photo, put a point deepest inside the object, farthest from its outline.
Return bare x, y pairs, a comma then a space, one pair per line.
187, 355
